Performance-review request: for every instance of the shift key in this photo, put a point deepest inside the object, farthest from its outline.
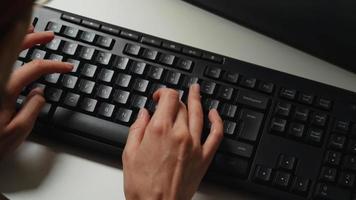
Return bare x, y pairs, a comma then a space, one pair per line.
250, 124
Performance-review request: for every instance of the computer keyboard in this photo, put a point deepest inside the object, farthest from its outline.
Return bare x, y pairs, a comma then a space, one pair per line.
285, 137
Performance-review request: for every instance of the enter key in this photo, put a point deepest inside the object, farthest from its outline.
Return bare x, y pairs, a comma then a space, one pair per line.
250, 125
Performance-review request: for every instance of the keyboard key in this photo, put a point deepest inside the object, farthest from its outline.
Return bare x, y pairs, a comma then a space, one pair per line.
18, 64
167, 59
287, 162
347, 180
231, 77
301, 114
351, 147
54, 44
213, 72
71, 99
283, 109
24, 53
71, 18
120, 62
88, 70
52, 78
149, 54
341, 126
212, 57
324, 103
155, 87
121, 96
124, 115
266, 87
110, 30
301, 186
319, 119
138, 67
190, 80
252, 99
296, 130
90, 24
86, 53
173, 78
185, 64
155, 73
172, 46
88, 104
248, 82
288, 93
236, 148
211, 104
263, 174
55, 57
106, 75
207, 87
314, 135
123, 80
70, 32
103, 91
282, 180
250, 125
337, 142
69, 81
278, 125
349, 162
229, 127
103, 58
138, 101
129, 35
229, 110
332, 158
325, 191
231, 166
85, 124
141, 85
53, 94
106, 110
54, 27
70, 48
38, 54
105, 42
86, 86
306, 98
132, 49
86, 36
192, 52
328, 174
151, 41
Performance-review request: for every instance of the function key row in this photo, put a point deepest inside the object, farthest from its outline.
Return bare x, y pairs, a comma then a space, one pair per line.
131, 35
159, 57
235, 78
307, 99
84, 36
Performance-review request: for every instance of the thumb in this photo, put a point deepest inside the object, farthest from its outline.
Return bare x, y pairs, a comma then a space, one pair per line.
137, 129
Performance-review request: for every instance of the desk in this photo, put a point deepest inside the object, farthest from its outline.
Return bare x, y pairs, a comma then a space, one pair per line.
44, 169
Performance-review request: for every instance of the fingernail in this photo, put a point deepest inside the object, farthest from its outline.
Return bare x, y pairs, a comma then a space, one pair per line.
195, 86
141, 113
70, 65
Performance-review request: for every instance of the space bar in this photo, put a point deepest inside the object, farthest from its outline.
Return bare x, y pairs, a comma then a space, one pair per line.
93, 127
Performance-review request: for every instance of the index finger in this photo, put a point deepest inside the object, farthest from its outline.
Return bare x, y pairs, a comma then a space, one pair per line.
30, 72
168, 104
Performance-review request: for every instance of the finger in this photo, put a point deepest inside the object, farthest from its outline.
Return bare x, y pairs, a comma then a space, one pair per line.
31, 29
32, 71
168, 105
181, 121
215, 136
22, 124
32, 39
137, 129
195, 113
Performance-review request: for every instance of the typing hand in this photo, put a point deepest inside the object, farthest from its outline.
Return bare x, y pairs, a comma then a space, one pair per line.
164, 157
15, 127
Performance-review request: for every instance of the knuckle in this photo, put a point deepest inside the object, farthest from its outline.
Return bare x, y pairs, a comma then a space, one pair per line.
125, 156
158, 127
37, 63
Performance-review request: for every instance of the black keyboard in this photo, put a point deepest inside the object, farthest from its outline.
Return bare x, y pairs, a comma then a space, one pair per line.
285, 136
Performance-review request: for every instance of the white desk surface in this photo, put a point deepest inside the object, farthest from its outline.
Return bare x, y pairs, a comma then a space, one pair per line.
53, 171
